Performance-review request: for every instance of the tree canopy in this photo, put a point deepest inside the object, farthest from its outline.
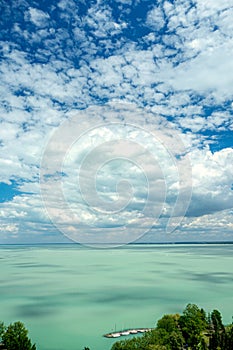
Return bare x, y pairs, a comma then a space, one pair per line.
15, 337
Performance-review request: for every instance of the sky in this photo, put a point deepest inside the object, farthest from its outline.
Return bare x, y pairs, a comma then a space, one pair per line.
116, 121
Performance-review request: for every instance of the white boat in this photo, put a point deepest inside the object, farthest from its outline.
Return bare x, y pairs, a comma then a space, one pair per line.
125, 333
116, 335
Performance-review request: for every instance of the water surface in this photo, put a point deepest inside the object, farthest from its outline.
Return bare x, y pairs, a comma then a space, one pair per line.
69, 296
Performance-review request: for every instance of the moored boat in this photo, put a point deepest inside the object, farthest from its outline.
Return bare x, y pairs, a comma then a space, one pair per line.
127, 332
116, 335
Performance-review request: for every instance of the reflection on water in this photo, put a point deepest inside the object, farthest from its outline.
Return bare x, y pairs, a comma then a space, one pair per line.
69, 296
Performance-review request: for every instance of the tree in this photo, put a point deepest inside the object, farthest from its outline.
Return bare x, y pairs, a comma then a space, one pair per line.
193, 322
15, 337
172, 336
229, 338
216, 319
175, 340
218, 337
168, 322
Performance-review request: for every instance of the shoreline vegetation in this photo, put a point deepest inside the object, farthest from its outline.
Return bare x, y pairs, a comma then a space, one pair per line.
194, 329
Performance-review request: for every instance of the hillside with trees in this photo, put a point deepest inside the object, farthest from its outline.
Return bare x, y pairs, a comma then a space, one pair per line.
193, 330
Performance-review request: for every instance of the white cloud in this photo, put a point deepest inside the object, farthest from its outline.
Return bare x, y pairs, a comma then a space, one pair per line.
155, 19
174, 75
206, 74
209, 226
38, 17
100, 21
212, 175
208, 8
9, 228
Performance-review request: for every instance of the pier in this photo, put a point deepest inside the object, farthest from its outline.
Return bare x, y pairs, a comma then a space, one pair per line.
127, 332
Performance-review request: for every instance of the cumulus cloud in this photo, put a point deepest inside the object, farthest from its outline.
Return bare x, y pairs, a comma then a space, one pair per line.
212, 181
207, 72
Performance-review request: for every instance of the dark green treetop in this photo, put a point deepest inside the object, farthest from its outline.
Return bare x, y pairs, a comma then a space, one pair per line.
15, 337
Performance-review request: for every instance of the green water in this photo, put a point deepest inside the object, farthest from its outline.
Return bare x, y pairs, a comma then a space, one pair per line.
69, 296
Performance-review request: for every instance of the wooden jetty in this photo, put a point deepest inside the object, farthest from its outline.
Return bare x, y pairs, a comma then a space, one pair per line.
127, 332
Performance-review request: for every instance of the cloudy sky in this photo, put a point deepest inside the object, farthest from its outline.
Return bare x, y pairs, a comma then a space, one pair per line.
116, 121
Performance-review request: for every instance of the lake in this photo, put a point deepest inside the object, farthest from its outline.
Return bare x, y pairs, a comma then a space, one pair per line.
68, 296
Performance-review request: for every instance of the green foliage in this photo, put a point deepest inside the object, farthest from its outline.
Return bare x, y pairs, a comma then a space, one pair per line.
168, 322
129, 344
192, 323
167, 336
218, 339
216, 319
172, 337
2, 329
202, 345
229, 338
176, 340
15, 337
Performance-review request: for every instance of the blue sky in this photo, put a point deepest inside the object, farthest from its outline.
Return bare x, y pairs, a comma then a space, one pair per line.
116, 121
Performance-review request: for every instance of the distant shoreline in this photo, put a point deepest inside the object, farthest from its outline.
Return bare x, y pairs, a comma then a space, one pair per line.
130, 244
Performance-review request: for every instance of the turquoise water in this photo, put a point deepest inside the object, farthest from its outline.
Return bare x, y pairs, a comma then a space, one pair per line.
69, 296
